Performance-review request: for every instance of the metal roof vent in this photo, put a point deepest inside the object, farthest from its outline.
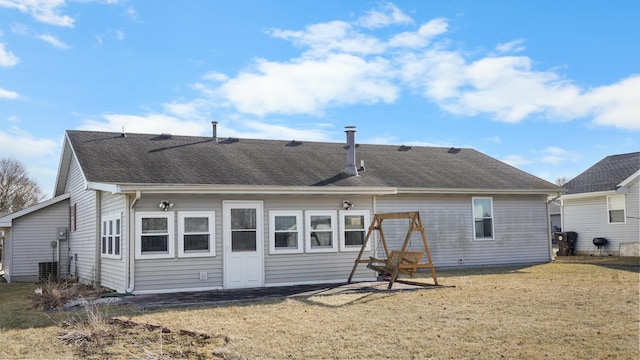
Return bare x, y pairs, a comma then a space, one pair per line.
350, 168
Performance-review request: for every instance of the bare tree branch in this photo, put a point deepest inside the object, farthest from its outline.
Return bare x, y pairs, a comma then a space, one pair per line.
17, 190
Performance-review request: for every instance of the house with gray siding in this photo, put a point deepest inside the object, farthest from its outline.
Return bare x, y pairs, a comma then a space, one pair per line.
165, 213
604, 201
31, 240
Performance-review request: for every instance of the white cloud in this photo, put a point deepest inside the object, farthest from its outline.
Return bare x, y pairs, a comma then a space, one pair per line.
333, 36
511, 46
516, 160
260, 130
19, 29
554, 155
19, 143
6, 94
149, 124
308, 86
215, 76
550, 156
421, 37
341, 65
53, 41
45, 11
7, 59
617, 105
387, 14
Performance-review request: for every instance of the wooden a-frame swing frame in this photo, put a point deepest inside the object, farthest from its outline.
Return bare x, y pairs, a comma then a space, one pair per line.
406, 261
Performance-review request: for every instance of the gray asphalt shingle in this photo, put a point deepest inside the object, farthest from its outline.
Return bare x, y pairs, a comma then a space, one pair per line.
606, 174
153, 159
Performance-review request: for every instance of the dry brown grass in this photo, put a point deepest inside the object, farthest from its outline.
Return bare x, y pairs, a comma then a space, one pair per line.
557, 310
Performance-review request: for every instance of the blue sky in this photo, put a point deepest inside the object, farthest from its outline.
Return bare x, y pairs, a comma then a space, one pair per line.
550, 87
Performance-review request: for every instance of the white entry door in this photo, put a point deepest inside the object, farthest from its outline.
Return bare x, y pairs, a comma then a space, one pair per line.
243, 244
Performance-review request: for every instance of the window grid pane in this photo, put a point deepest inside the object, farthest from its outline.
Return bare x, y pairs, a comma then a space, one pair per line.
154, 225
196, 225
155, 243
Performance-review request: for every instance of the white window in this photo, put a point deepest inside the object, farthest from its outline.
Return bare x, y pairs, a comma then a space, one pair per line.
196, 233
285, 232
354, 225
616, 209
154, 235
110, 236
321, 231
483, 218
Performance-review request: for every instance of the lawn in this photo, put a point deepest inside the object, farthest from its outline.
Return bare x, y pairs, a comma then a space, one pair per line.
565, 309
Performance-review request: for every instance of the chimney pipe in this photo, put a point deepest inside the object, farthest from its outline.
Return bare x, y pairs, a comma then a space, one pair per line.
214, 125
351, 168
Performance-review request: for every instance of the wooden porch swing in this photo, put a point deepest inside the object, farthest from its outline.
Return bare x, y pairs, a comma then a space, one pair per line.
404, 260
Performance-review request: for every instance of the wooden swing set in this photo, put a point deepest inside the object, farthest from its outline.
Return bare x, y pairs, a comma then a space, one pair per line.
404, 260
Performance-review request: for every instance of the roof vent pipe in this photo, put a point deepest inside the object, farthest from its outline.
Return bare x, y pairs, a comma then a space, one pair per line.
214, 125
351, 168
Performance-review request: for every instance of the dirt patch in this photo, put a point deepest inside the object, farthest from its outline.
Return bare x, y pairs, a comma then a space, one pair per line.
125, 338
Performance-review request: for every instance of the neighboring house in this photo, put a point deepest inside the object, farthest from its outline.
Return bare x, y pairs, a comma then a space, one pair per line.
162, 213
604, 201
555, 215
30, 241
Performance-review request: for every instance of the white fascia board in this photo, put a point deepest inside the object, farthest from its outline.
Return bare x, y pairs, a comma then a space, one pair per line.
246, 189
112, 188
587, 195
478, 191
7, 220
630, 179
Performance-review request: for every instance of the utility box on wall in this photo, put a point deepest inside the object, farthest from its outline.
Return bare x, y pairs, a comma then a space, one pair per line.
61, 233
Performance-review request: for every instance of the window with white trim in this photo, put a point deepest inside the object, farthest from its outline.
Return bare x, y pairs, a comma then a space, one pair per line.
353, 225
482, 218
616, 209
155, 235
110, 236
196, 233
321, 231
285, 232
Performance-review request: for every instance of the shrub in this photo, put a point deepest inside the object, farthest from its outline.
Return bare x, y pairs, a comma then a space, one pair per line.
54, 294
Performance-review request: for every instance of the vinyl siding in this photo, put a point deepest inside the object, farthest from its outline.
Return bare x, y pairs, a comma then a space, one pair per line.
157, 275
112, 271
82, 241
7, 250
588, 217
31, 237
313, 267
520, 229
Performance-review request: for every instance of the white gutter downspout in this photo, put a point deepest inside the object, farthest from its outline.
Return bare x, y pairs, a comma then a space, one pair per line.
98, 236
129, 265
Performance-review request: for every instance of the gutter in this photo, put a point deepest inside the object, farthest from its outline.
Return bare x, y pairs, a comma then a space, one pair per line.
241, 189
471, 191
128, 264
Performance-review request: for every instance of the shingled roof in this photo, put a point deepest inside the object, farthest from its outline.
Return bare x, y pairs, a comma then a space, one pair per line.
112, 158
605, 175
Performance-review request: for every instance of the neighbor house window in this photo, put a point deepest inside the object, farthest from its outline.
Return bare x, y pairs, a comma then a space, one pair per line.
111, 238
285, 232
196, 233
616, 209
483, 218
353, 229
321, 231
154, 235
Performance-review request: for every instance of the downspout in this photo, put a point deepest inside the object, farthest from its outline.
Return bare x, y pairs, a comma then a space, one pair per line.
128, 264
98, 237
